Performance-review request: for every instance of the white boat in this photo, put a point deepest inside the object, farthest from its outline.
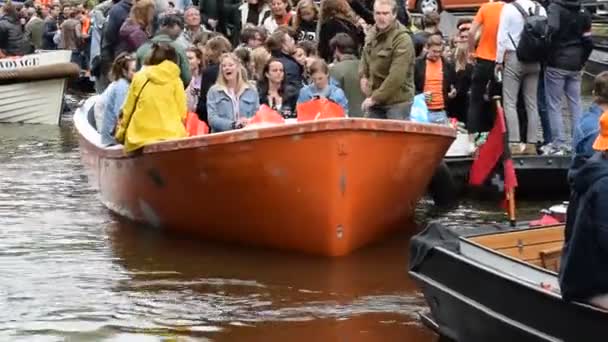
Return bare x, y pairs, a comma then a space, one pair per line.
32, 87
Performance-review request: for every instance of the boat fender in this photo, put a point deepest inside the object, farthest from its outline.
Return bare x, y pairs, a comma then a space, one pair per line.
442, 188
39, 73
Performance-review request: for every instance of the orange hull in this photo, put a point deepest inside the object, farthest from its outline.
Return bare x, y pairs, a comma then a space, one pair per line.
325, 187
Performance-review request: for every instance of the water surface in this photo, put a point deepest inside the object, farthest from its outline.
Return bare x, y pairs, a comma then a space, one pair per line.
71, 271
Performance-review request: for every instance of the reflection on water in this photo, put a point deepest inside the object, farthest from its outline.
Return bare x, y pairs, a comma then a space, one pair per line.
72, 271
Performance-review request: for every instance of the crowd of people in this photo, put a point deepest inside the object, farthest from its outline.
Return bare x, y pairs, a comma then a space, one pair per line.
365, 55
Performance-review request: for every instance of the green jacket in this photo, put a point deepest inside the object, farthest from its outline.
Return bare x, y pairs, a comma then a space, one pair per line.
182, 60
345, 73
388, 63
34, 30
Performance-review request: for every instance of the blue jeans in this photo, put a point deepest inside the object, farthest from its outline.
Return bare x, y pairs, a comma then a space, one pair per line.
542, 107
558, 82
397, 111
438, 117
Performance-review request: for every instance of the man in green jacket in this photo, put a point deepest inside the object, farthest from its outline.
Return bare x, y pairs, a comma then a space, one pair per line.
345, 71
34, 28
387, 66
171, 27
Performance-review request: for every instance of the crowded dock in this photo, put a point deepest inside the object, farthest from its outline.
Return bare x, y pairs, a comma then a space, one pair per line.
270, 170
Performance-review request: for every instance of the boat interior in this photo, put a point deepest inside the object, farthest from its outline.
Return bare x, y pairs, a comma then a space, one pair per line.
538, 246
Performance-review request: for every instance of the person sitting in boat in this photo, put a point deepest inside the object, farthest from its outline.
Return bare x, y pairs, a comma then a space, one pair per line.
232, 101
155, 108
171, 27
321, 87
12, 40
274, 90
114, 96
583, 275
586, 130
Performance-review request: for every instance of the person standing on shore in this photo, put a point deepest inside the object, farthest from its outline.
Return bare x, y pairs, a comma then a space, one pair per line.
487, 20
571, 45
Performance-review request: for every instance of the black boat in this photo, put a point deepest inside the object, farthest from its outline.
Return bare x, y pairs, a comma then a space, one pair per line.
500, 286
597, 62
537, 176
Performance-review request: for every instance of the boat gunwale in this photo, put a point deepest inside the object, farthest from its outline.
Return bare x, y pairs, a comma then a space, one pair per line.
505, 276
476, 305
245, 135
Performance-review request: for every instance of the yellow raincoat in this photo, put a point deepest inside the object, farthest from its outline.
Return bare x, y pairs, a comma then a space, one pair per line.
160, 110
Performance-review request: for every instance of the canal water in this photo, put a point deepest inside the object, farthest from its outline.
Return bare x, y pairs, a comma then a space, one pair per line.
71, 271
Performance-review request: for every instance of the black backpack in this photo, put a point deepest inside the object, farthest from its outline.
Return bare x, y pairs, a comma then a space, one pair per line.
534, 42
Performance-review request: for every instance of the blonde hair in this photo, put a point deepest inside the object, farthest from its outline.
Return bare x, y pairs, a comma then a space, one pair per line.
460, 57
260, 57
139, 12
303, 4
241, 76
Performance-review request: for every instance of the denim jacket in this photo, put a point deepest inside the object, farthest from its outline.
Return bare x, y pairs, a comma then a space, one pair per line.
114, 98
334, 94
221, 111
585, 132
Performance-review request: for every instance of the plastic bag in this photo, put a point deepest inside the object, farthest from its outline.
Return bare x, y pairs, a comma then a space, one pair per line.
321, 108
194, 126
264, 117
419, 112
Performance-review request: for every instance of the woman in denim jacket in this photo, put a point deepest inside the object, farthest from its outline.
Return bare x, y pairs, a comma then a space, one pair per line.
232, 101
114, 96
322, 87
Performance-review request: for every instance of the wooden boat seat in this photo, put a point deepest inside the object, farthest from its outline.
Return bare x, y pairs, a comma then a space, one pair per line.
550, 258
541, 247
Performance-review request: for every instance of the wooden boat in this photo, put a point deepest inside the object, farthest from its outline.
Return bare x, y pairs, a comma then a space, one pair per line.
500, 286
32, 86
323, 187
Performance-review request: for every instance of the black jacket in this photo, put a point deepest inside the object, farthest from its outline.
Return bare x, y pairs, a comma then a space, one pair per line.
289, 97
227, 14
50, 28
568, 21
585, 255
116, 17
293, 69
306, 31
449, 77
209, 77
330, 29
12, 40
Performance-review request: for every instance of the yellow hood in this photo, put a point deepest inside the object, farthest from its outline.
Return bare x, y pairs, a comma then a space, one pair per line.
162, 73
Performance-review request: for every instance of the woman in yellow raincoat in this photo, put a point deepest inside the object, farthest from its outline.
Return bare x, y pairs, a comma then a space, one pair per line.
155, 108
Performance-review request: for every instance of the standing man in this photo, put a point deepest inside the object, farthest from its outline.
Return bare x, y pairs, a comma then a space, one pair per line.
518, 74
487, 19
571, 45
345, 71
387, 66
34, 28
50, 28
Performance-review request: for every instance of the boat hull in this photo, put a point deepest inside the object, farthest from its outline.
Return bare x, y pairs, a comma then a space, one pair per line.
470, 302
34, 102
538, 177
325, 187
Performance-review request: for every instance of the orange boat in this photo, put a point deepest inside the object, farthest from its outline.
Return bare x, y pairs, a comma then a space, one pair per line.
323, 187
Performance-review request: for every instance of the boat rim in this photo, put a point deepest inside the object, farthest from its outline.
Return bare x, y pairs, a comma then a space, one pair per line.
294, 130
421, 277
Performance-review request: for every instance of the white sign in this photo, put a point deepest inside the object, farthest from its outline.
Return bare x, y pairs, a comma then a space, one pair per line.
19, 62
